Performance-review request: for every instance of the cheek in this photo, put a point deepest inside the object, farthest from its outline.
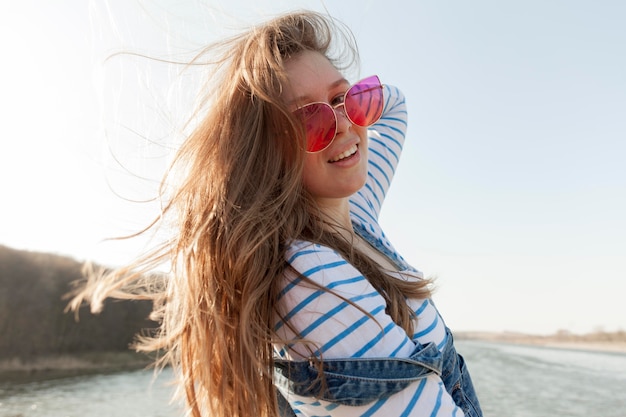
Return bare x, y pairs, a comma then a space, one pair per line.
361, 131
363, 146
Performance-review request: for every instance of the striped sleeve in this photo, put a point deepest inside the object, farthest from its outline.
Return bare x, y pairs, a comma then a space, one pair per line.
340, 315
386, 139
340, 312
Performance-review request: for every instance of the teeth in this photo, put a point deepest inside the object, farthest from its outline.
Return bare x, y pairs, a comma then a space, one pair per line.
345, 154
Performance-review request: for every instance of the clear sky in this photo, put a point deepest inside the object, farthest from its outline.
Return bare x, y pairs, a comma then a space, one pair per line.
512, 186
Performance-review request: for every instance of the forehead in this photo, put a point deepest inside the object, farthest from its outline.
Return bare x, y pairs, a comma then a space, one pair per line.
311, 76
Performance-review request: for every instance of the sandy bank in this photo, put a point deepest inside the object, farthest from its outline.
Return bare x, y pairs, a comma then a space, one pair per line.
47, 367
601, 342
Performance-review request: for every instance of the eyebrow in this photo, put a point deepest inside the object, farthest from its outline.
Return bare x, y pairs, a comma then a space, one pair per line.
307, 99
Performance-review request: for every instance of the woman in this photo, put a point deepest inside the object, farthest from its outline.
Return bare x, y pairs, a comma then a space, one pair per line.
283, 285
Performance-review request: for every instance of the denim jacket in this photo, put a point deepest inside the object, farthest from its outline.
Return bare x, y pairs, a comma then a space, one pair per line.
361, 381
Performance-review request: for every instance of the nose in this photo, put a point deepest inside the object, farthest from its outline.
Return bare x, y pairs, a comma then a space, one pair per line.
343, 121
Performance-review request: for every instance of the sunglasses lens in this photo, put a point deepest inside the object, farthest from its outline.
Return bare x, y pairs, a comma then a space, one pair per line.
364, 101
320, 125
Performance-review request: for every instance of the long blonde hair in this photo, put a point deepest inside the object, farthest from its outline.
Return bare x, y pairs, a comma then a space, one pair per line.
238, 204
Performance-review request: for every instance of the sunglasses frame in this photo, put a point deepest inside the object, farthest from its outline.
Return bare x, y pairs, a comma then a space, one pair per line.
334, 108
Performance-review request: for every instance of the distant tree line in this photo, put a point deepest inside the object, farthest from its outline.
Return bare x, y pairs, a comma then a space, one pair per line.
33, 323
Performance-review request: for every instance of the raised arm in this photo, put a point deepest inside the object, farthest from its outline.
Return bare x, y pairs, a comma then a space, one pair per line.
386, 139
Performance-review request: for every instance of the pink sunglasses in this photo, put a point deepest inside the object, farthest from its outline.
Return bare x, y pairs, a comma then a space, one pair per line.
362, 103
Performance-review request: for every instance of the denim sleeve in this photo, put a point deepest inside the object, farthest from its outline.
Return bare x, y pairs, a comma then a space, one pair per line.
380, 387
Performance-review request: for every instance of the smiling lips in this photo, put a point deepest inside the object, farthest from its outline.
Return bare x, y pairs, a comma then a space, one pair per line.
351, 151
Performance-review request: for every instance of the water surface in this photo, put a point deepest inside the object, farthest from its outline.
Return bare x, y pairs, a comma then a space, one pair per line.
511, 381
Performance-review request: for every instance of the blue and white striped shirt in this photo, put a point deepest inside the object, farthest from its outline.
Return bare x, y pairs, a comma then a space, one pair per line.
334, 327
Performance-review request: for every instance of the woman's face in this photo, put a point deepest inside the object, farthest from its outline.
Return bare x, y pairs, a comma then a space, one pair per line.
340, 170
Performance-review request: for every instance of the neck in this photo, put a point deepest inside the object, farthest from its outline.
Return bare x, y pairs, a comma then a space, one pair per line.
337, 213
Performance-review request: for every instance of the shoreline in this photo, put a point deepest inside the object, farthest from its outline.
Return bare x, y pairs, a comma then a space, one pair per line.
598, 343
62, 366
